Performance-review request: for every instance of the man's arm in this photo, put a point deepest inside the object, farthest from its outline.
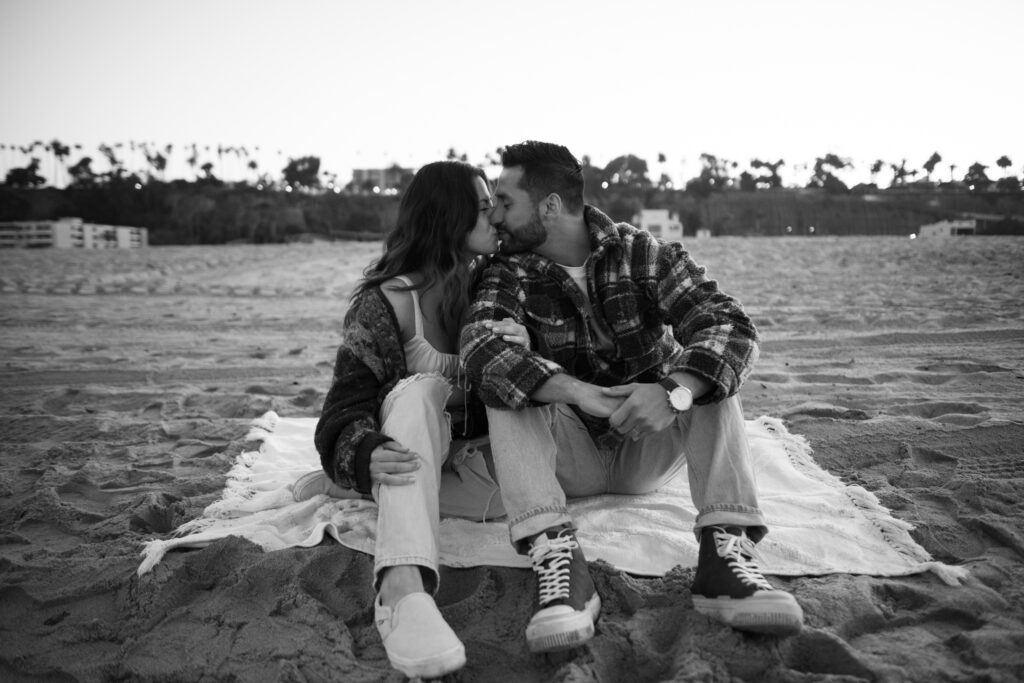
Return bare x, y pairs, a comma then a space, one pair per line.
504, 374
719, 341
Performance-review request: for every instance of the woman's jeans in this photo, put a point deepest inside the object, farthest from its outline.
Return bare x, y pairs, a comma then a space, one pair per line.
453, 478
545, 454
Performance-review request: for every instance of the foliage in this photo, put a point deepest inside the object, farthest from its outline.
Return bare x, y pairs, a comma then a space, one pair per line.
901, 173
825, 178
627, 170
1008, 183
929, 166
976, 179
25, 177
303, 172
772, 180
714, 176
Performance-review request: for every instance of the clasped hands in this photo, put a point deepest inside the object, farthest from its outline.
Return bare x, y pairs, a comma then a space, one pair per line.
636, 409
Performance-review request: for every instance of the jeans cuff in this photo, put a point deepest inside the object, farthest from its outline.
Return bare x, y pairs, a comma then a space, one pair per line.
530, 524
728, 514
427, 568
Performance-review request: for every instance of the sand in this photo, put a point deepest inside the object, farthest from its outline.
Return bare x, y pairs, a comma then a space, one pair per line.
129, 380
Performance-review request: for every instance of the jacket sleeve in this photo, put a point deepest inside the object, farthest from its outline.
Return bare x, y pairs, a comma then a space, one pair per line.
719, 341
503, 375
349, 427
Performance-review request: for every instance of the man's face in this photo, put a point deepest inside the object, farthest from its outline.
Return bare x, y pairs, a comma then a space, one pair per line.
515, 215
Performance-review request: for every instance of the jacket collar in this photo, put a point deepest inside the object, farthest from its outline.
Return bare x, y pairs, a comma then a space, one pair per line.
603, 235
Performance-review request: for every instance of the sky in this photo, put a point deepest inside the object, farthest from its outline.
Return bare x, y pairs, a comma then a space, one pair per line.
371, 83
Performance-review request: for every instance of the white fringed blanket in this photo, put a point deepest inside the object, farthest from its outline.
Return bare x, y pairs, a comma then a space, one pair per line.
818, 525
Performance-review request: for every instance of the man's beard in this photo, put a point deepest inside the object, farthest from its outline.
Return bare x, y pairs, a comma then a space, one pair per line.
526, 238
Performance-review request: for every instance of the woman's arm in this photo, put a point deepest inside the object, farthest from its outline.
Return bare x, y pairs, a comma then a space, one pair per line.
367, 361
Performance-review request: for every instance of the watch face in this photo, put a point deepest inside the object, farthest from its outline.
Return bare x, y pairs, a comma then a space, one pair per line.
679, 399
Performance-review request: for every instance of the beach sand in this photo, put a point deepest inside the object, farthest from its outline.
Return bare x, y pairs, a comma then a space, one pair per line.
130, 377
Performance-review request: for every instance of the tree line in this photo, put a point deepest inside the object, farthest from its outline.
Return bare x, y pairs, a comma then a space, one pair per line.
723, 197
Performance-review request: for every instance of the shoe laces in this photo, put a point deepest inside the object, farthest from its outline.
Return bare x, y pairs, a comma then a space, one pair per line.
552, 559
741, 556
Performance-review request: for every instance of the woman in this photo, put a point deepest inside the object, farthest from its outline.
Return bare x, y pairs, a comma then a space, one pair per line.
398, 407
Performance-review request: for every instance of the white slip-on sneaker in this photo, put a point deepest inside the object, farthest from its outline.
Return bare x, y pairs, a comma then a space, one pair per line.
315, 483
417, 639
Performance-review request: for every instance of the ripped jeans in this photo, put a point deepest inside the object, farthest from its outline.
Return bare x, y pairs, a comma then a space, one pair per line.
453, 479
542, 455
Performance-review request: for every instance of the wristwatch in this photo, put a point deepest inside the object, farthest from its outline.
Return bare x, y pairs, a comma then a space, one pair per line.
680, 399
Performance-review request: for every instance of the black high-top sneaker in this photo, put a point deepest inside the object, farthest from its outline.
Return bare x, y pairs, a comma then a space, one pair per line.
567, 602
729, 586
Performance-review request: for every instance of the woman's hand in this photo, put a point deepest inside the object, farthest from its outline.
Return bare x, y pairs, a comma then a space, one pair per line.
391, 463
510, 331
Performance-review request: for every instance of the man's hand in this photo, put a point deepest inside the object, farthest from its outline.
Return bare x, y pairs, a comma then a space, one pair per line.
644, 409
595, 401
391, 463
590, 398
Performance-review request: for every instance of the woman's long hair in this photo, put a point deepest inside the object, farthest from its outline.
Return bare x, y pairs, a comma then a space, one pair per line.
438, 209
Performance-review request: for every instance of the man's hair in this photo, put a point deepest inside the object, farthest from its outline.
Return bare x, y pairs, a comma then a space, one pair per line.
547, 168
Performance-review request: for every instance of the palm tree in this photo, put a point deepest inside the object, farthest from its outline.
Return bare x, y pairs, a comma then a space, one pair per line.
60, 153
192, 160
1004, 163
900, 174
929, 166
876, 168
116, 168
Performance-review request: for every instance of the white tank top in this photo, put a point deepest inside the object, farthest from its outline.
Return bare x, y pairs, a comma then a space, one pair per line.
420, 356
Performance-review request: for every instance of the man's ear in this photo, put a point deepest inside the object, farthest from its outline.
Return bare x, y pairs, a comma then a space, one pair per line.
551, 206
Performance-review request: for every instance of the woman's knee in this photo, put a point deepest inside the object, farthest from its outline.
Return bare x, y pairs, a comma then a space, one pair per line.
425, 391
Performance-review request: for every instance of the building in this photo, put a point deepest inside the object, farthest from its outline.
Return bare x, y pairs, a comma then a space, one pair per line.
660, 223
71, 233
384, 179
946, 228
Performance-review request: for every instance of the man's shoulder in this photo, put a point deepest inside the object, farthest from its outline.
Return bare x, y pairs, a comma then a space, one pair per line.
606, 232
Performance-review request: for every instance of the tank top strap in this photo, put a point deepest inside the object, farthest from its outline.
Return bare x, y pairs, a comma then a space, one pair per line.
417, 314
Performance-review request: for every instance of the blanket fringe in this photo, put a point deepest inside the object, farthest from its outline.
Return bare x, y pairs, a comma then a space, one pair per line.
895, 532
950, 574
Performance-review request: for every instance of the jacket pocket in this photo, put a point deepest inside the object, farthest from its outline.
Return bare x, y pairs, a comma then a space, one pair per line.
551, 321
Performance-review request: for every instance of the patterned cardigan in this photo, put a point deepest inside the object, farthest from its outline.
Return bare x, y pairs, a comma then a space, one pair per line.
657, 305
369, 364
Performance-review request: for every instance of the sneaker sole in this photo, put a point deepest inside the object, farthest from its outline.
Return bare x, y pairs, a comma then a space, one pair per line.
564, 633
775, 614
435, 667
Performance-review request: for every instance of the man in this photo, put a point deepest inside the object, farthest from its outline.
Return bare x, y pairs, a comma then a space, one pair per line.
635, 362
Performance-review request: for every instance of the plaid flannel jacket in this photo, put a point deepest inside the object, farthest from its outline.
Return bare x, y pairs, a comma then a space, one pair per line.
656, 303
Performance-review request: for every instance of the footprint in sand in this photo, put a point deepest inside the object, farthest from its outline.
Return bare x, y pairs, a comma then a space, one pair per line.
946, 412
820, 409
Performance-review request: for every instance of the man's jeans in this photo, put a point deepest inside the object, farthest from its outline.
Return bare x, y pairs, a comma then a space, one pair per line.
545, 454
453, 479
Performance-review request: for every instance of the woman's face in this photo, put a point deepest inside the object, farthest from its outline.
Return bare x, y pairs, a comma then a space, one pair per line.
483, 238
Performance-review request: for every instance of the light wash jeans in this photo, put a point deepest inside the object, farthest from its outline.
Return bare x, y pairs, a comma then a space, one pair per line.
453, 479
545, 454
